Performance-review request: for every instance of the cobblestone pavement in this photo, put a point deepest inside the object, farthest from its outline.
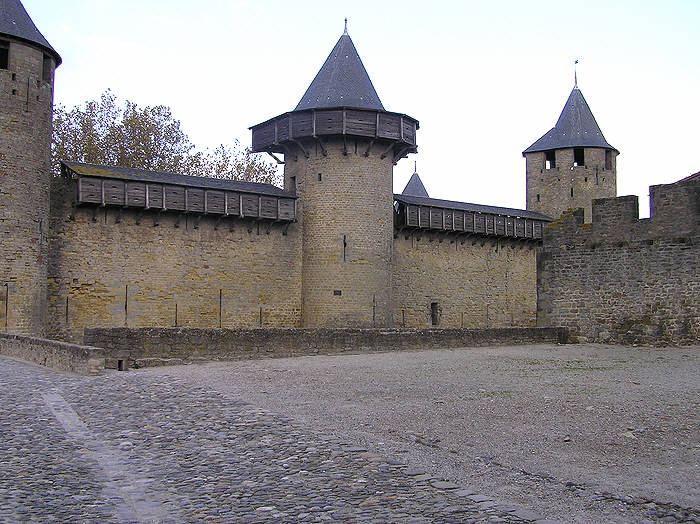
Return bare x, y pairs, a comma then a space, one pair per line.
139, 447
581, 433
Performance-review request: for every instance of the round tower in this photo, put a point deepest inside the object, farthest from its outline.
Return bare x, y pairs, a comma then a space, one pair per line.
572, 164
27, 63
340, 146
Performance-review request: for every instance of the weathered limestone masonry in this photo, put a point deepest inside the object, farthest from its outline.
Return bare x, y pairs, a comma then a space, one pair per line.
571, 164
83, 360
625, 280
345, 210
165, 346
26, 100
569, 186
127, 269
475, 282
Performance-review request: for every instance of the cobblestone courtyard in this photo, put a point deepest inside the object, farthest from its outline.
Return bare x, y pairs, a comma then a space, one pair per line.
576, 433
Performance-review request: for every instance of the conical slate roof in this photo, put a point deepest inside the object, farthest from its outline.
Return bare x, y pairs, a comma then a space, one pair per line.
415, 187
576, 127
15, 22
342, 81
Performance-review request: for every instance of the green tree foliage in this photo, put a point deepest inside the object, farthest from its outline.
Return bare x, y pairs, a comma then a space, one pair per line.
103, 132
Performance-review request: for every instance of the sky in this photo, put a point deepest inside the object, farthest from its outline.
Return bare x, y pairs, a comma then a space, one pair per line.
484, 79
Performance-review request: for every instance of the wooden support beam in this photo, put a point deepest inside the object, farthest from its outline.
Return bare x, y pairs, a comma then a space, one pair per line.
320, 143
386, 151
301, 147
289, 152
279, 162
369, 147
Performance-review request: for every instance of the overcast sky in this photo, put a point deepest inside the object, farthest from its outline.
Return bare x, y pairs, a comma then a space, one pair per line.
485, 79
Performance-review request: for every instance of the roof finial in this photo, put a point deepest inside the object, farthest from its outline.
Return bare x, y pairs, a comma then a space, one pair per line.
415, 167
346, 26
575, 77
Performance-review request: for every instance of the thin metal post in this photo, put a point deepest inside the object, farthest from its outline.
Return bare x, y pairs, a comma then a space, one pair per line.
374, 310
7, 303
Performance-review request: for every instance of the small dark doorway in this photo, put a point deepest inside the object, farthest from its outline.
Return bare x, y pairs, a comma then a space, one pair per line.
434, 314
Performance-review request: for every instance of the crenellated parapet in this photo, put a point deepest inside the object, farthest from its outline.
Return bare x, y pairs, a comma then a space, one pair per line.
674, 212
623, 279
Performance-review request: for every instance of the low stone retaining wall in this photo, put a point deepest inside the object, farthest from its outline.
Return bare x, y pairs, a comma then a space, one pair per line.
82, 360
170, 346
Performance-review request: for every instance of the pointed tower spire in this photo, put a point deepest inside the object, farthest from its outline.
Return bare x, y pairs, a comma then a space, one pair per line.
576, 127
415, 185
16, 23
575, 77
342, 81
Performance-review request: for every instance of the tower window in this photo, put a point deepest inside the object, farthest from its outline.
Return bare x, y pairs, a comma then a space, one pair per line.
550, 160
538, 197
320, 177
572, 192
4, 54
608, 159
46, 69
578, 157
293, 185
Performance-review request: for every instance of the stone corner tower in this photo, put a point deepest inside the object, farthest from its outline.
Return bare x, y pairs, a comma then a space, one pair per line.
340, 146
27, 63
572, 164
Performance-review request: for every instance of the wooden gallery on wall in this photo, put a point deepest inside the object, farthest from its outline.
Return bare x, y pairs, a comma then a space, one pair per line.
137, 189
421, 213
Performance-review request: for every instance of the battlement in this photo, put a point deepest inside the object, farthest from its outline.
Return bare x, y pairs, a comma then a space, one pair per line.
625, 279
675, 212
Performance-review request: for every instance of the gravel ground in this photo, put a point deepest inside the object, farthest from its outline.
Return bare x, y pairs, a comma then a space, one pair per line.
584, 433
150, 448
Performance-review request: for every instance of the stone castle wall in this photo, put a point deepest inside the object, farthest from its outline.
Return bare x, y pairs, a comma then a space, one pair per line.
82, 360
26, 101
475, 283
169, 346
625, 280
345, 211
566, 186
127, 269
